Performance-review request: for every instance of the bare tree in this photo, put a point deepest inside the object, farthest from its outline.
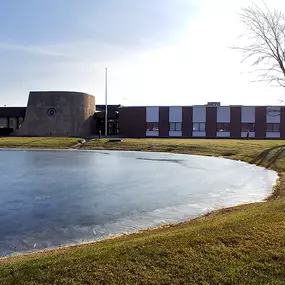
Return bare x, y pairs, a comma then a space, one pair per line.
265, 34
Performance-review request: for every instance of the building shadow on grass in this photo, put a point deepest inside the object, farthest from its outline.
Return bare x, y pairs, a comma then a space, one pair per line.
269, 156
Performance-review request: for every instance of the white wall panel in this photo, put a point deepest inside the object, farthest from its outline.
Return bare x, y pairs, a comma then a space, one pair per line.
198, 134
199, 114
152, 114
175, 133
247, 114
152, 133
273, 114
223, 114
175, 114
272, 135
223, 134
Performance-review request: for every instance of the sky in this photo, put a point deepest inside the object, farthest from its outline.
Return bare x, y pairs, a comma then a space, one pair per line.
158, 52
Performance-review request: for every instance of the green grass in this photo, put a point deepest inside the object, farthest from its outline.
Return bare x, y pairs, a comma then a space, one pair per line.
37, 142
266, 153
239, 245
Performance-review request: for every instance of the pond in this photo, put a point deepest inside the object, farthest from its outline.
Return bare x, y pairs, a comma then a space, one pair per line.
57, 198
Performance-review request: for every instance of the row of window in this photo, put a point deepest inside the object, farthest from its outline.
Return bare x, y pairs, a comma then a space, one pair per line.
11, 122
221, 127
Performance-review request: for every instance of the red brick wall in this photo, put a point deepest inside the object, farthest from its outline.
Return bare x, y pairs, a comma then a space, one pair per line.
187, 121
211, 122
235, 125
132, 122
282, 122
260, 122
163, 121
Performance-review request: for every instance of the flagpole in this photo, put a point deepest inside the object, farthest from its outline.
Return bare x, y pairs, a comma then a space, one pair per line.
106, 104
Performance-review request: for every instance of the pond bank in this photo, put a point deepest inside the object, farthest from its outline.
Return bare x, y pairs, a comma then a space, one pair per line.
239, 245
63, 197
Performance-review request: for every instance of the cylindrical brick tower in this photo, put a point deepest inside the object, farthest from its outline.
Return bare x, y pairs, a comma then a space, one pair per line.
58, 113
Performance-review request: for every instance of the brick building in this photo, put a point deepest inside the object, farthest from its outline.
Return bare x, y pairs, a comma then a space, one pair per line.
204, 121
199, 121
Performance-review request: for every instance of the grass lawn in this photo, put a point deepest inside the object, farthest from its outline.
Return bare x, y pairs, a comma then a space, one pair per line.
37, 142
239, 245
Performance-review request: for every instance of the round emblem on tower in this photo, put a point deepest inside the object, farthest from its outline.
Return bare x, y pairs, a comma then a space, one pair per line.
51, 112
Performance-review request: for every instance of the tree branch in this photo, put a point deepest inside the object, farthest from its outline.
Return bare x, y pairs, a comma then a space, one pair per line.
266, 34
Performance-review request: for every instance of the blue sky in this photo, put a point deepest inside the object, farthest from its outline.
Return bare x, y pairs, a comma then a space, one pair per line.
158, 52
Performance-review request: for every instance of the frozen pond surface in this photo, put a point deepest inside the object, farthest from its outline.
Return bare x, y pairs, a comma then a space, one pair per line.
56, 198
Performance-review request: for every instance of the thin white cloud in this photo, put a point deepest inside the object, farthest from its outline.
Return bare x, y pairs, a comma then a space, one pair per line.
32, 50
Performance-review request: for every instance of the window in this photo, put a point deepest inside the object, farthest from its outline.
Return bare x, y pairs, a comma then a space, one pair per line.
3, 122
272, 127
12, 123
223, 127
247, 127
175, 126
199, 127
152, 127
21, 119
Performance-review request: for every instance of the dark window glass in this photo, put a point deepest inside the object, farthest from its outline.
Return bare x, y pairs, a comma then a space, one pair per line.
175, 126
152, 127
12, 123
271, 127
223, 127
21, 120
3, 122
247, 127
199, 127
